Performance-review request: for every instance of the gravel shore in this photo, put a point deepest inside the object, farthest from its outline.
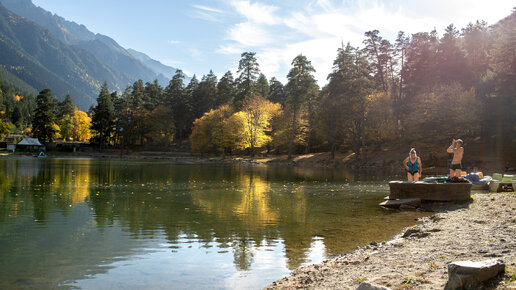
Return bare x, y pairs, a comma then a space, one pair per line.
418, 258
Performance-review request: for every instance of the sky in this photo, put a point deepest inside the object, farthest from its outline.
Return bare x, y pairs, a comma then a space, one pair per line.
202, 35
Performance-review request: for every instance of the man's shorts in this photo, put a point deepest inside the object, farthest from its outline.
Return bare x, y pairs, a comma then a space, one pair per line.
455, 166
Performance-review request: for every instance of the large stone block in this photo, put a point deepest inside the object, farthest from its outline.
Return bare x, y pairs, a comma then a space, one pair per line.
430, 191
371, 286
468, 274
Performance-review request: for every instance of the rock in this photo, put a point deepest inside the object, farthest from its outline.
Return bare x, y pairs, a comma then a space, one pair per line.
468, 274
397, 203
371, 286
410, 231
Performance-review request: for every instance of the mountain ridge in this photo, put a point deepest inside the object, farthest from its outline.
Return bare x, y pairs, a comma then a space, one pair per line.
117, 66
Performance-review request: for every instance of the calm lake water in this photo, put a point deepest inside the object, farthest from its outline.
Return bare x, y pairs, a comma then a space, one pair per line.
118, 224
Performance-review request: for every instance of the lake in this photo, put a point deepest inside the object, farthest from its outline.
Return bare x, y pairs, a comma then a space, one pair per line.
119, 224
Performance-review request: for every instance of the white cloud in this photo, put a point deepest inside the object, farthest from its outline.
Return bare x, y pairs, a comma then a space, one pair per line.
250, 35
173, 42
317, 28
207, 13
208, 9
257, 12
230, 49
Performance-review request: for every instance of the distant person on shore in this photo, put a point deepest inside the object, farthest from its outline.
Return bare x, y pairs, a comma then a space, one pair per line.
413, 166
458, 152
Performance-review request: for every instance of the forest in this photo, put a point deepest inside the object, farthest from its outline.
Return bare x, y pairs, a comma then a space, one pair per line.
420, 87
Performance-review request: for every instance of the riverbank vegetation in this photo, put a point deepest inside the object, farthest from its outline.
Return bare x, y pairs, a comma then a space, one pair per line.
422, 88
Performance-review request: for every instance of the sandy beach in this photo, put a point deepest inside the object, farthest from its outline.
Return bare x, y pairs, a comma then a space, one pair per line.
418, 258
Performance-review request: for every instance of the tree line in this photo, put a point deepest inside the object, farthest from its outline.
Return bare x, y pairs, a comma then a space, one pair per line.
420, 86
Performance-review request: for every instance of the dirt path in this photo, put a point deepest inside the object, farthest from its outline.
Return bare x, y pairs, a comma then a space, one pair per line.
484, 229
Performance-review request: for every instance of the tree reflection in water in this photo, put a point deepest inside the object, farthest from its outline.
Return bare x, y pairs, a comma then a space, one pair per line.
84, 214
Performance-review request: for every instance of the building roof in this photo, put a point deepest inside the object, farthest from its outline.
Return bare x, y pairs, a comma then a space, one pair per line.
30, 142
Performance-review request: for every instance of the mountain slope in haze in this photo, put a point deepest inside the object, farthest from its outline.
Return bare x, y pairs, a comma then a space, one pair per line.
103, 47
156, 66
35, 56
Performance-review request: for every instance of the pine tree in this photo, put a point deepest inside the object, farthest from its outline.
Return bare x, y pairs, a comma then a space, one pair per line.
103, 119
248, 69
301, 87
262, 87
226, 89
44, 116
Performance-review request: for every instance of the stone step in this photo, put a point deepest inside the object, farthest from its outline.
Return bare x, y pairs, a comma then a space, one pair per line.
402, 203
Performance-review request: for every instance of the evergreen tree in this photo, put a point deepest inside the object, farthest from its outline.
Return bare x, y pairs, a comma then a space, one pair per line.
191, 95
226, 89
176, 97
65, 118
451, 60
248, 69
420, 69
137, 94
301, 86
44, 116
276, 92
66, 107
346, 100
262, 87
377, 51
152, 95
103, 119
206, 95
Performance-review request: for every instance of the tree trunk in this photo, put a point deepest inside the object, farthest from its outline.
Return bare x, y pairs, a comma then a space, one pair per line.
363, 137
100, 141
292, 135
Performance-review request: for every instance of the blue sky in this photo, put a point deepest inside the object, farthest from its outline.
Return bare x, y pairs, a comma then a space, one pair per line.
198, 36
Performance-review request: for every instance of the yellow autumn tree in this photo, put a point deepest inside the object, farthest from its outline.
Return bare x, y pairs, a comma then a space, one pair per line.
282, 129
66, 125
81, 126
257, 114
212, 132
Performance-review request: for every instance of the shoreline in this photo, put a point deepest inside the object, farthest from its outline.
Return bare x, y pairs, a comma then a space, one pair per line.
418, 257
314, 160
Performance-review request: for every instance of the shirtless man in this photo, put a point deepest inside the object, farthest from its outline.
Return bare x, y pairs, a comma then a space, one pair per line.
458, 152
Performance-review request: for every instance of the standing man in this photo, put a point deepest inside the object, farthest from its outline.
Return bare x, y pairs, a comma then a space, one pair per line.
458, 152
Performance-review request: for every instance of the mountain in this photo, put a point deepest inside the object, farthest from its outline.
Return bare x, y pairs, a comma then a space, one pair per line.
155, 65
32, 54
124, 66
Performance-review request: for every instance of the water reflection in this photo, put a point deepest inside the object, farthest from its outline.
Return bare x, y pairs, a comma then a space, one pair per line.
79, 222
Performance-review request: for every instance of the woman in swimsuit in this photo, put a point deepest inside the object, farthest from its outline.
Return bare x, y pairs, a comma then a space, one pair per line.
413, 166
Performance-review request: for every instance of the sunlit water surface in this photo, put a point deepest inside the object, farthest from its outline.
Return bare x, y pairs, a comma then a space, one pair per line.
118, 224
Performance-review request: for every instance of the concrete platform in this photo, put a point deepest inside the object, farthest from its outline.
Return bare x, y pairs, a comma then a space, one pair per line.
426, 191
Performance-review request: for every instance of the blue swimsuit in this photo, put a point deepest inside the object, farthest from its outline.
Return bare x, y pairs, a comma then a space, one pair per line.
413, 167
